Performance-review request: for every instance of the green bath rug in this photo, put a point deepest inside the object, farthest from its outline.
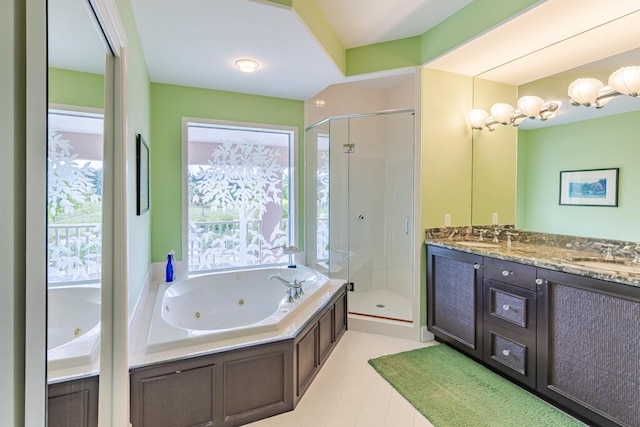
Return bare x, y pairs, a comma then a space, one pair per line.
451, 390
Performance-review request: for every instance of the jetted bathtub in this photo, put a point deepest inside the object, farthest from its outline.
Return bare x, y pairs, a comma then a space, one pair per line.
73, 329
226, 305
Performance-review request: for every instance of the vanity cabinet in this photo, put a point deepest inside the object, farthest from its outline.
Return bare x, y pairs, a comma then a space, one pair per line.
454, 298
574, 340
589, 347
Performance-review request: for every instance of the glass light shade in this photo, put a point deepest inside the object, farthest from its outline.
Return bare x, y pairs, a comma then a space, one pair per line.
477, 118
626, 80
247, 65
502, 112
530, 105
584, 91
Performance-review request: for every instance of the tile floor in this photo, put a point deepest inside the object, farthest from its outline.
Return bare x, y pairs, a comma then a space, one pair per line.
348, 392
367, 302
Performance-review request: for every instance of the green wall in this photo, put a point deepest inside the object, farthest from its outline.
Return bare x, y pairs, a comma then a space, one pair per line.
494, 158
169, 104
607, 142
76, 88
446, 148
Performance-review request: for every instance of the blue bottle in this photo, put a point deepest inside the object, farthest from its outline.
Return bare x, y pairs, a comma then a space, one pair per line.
169, 270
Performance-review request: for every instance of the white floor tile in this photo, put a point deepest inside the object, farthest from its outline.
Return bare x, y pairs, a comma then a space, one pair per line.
348, 392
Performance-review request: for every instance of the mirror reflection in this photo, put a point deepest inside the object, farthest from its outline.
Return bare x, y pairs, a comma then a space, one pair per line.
76, 60
516, 170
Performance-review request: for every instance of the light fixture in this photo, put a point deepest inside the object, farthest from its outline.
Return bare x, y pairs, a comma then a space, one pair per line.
501, 113
319, 103
592, 92
530, 105
478, 118
247, 65
584, 91
626, 80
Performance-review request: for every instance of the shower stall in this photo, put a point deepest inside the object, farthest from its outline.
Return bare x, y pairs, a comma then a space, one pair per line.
360, 209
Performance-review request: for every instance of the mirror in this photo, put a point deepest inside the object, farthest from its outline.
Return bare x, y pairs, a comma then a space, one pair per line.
516, 171
76, 63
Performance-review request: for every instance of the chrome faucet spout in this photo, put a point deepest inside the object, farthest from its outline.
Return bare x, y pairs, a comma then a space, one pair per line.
285, 282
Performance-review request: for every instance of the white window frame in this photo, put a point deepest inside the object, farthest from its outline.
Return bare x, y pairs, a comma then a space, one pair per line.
294, 205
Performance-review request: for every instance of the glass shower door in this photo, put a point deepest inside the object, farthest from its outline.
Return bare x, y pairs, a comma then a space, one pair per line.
377, 211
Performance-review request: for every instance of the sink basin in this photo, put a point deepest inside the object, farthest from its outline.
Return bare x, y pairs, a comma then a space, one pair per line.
478, 244
611, 266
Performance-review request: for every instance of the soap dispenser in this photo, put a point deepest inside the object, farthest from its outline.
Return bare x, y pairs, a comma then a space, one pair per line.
169, 270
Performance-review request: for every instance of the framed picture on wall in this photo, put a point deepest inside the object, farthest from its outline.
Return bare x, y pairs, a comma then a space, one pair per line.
142, 175
592, 187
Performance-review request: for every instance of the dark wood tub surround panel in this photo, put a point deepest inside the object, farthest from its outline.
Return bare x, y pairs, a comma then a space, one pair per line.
239, 386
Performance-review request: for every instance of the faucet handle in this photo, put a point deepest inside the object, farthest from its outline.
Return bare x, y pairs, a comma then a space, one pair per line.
481, 232
607, 248
496, 233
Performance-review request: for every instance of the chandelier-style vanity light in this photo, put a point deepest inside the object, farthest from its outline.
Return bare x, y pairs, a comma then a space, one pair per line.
529, 106
592, 92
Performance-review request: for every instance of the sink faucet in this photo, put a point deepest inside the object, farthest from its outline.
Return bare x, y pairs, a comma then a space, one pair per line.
481, 232
509, 236
496, 233
608, 251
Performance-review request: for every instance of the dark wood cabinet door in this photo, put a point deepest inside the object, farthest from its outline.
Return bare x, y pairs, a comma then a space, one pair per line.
181, 398
589, 347
326, 334
340, 319
454, 298
73, 403
307, 359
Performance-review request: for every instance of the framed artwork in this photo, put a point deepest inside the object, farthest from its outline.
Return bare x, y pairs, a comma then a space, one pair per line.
142, 175
592, 187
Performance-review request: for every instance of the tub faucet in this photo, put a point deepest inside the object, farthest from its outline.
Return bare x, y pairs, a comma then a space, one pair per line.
286, 282
295, 287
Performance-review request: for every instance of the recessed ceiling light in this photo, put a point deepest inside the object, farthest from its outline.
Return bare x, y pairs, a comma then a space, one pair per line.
247, 65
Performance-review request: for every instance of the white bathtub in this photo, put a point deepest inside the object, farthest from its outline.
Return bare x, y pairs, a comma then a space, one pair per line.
73, 328
226, 305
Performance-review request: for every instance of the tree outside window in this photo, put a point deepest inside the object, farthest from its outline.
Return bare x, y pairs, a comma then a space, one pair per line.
238, 200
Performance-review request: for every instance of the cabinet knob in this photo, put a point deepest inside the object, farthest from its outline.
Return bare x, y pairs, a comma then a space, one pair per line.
476, 266
539, 281
507, 273
506, 307
506, 352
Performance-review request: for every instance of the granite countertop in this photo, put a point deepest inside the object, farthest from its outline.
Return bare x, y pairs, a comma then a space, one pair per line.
568, 260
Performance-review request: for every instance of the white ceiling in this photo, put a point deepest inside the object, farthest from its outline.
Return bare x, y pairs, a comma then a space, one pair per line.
364, 22
196, 42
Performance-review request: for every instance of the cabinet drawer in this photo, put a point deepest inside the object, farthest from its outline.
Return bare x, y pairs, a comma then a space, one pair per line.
507, 306
510, 272
509, 353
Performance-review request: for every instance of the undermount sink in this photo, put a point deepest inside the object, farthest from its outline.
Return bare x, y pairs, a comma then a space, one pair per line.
611, 266
478, 244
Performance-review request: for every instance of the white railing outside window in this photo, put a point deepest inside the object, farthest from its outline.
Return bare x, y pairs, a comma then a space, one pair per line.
75, 253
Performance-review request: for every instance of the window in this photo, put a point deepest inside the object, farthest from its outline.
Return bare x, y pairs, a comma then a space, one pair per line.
240, 194
74, 205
